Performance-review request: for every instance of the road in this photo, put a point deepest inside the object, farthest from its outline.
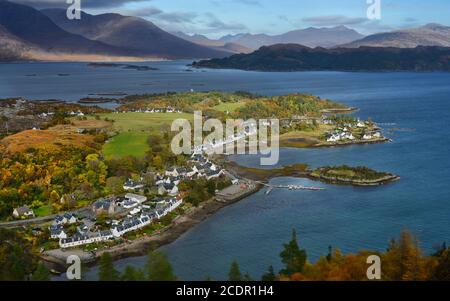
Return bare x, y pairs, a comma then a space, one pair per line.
38, 220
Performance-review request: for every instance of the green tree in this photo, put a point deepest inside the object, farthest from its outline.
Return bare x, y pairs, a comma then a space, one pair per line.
133, 274
235, 273
269, 275
159, 267
293, 257
107, 272
16, 261
247, 277
41, 273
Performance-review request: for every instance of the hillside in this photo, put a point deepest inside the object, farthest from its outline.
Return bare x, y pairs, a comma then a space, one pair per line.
11, 47
136, 34
428, 35
34, 28
291, 57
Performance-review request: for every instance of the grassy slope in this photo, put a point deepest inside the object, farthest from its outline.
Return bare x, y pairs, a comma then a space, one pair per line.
134, 130
230, 107
127, 144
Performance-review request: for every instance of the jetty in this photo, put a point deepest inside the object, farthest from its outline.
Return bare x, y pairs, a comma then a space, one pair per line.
271, 187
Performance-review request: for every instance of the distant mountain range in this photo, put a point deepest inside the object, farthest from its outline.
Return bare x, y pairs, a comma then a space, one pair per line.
27, 33
428, 35
136, 34
217, 44
311, 37
293, 57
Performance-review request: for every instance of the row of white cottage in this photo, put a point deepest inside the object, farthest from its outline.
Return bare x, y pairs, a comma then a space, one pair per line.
117, 231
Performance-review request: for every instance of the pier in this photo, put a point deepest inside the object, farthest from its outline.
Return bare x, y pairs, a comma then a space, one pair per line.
270, 187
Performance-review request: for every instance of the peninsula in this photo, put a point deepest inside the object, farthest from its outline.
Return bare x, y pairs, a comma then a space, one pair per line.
294, 57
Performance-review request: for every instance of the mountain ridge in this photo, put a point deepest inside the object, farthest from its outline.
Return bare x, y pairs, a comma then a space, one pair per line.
428, 35
132, 33
311, 37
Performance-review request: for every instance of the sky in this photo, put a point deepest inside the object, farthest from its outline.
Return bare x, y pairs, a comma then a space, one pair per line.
215, 18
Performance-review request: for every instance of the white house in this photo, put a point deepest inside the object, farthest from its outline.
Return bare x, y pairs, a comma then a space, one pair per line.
70, 218
57, 232
213, 174
24, 211
132, 185
173, 172
171, 189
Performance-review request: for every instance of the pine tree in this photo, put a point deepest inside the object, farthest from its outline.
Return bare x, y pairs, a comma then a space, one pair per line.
159, 267
269, 275
132, 274
41, 273
247, 277
235, 273
293, 257
107, 272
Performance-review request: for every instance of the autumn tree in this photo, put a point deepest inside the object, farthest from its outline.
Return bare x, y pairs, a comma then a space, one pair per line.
114, 185
404, 260
442, 270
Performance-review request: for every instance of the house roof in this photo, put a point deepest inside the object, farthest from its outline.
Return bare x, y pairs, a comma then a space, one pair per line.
23, 210
136, 196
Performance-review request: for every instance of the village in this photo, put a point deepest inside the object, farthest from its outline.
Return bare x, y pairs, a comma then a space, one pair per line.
132, 211
136, 209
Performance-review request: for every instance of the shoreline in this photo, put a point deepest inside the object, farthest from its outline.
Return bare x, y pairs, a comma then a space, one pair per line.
56, 259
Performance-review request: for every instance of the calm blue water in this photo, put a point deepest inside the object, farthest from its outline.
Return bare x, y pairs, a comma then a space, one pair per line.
253, 230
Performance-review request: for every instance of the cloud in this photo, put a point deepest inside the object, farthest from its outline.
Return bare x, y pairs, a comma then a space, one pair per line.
334, 20
84, 3
245, 2
155, 13
249, 2
214, 22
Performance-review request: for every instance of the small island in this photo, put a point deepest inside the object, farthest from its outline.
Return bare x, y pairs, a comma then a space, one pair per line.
357, 176
123, 66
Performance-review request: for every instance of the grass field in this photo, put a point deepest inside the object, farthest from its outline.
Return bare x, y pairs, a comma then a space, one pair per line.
127, 144
125, 122
134, 130
43, 211
229, 106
